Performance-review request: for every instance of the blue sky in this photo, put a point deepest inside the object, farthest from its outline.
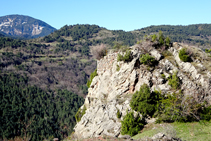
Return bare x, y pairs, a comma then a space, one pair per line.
126, 15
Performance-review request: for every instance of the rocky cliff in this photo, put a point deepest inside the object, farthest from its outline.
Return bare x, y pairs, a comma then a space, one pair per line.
111, 90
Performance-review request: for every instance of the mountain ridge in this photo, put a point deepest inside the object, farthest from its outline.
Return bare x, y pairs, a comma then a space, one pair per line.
21, 26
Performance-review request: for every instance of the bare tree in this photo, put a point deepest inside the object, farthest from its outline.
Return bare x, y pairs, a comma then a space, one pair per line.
99, 51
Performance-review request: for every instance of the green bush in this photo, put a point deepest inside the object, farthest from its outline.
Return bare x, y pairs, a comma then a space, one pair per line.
175, 107
208, 51
147, 59
91, 78
154, 37
144, 101
184, 56
161, 37
163, 76
205, 113
118, 114
132, 125
174, 81
167, 41
169, 109
126, 58
80, 113
117, 67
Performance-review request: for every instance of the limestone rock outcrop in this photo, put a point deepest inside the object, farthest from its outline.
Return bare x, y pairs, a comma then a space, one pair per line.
111, 90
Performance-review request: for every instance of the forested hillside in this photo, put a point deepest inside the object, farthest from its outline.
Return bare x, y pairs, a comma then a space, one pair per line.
33, 113
37, 91
198, 34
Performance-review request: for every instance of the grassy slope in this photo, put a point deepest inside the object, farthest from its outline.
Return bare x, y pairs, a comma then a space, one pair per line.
194, 131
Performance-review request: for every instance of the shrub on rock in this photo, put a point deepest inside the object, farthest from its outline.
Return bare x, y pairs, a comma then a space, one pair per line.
80, 113
147, 59
174, 81
132, 125
183, 55
126, 58
144, 101
91, 78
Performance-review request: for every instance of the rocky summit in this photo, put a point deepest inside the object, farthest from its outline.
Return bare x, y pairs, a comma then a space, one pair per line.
24, 27
116, 81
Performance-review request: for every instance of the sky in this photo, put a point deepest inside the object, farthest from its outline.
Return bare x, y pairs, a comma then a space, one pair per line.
124, 15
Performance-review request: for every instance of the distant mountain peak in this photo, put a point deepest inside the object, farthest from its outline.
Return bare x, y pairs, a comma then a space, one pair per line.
24, 26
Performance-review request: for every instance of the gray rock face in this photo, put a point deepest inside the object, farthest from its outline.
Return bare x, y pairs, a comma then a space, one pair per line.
112, 89
156, 54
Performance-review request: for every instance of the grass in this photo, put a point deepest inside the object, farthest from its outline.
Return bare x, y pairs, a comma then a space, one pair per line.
84, 60
194, 131
166, 53
172, 60
67, 38
52, 43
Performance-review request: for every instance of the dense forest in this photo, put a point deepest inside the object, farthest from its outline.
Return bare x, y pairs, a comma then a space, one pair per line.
30, 112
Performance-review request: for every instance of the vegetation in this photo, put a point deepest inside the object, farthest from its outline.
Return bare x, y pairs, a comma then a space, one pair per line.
30, 112
174, 81
167, 41
99, 51
89, 82
159, 39
176, 107
169, 107
118, 114
126, 58
117, 67
208, 51
80, 113
147, 59
78, 32
184, 56
189, 131
132, 125
194, 34
144, 101
163, 76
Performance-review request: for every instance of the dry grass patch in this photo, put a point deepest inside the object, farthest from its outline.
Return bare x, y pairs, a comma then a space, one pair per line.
172, 60
102, 34
67, 38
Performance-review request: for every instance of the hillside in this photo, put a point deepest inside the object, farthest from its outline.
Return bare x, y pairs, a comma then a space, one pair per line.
59, 65
69, 53
198, 34
150, 81
20, 26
